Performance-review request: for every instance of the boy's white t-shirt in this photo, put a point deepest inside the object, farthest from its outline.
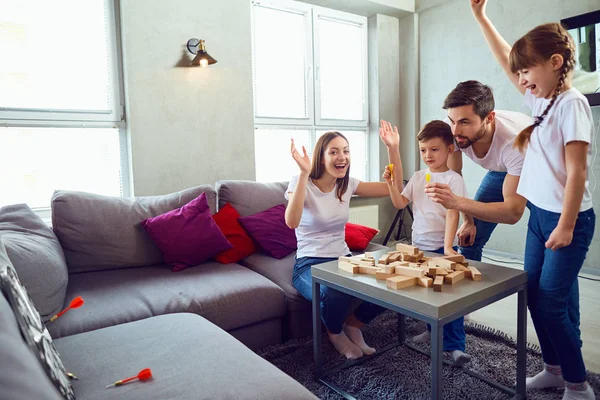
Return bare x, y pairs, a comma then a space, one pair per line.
429, 225
321, 232
544, 173
502, 155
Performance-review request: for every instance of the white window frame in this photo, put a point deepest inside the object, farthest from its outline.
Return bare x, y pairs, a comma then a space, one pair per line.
314, 122
112, 118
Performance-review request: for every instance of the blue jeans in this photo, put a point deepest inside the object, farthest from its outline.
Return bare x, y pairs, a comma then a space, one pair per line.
490, 191
454, 332
335, 305
553, 294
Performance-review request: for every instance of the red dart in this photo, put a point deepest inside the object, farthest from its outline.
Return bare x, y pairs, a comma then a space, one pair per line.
75, 303
144, 375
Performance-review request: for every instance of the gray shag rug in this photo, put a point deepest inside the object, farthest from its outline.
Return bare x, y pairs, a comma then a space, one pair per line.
402, 373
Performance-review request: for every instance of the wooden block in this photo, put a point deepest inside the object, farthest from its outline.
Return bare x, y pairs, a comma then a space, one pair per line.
384, 275
400, 282
406, 248
440, 262
475, 274
438, 283
455, 258
414, 265
454, 277
348, 267
460, 267
366, 263
389, 269
346, 259
369, 254
425, 281
368, 270
384, 259
435, 271
355, 260
395, 256
408, 271
399, 264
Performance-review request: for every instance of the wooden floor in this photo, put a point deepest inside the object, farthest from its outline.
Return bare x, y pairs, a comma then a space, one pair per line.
502, 315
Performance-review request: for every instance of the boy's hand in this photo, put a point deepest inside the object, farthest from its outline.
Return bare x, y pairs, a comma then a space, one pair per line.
478, 8
442, 194
387, 174
450, 252
466, 233
559, 237
389, 136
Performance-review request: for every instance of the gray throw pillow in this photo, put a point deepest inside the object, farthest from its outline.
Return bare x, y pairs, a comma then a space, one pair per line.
37, 256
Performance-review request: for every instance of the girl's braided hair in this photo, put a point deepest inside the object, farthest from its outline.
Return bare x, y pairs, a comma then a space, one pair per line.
535, 48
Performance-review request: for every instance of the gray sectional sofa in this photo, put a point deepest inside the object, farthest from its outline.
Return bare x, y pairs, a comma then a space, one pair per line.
138, 313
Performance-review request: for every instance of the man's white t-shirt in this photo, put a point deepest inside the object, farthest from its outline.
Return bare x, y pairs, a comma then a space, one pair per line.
502, 155
429, 225
321, 232
544, 172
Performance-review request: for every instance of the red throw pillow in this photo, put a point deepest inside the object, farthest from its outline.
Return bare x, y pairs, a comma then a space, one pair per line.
243, 245
359, 236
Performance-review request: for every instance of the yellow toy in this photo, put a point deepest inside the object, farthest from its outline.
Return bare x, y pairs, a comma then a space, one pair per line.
427, 177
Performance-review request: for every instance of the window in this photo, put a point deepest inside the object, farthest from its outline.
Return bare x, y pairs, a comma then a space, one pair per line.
310, 77
61, 114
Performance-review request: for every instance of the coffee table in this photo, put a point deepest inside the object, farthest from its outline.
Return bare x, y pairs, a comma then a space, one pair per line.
435, 308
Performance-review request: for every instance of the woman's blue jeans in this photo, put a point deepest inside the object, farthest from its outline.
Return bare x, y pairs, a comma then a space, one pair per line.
553, 291
335, 305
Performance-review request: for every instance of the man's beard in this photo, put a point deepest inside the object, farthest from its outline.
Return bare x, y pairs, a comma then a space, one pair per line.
470, 142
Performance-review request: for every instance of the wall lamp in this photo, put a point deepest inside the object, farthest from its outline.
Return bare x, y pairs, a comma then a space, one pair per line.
197, 47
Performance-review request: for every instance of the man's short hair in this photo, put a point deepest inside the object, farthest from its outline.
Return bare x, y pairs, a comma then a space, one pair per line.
471, 92
436, 129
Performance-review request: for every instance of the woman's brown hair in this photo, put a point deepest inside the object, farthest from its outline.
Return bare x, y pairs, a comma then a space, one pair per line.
535, 48
318, 166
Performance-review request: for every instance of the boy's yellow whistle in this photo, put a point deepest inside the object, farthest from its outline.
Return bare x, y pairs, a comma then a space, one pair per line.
427, 178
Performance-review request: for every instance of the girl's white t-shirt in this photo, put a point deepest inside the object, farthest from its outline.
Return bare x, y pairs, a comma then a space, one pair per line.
544, 174
429, 225
321, 232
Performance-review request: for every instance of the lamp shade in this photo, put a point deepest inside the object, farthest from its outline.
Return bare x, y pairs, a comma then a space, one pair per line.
202, 58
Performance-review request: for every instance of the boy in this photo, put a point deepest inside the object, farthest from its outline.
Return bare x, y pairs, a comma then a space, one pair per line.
434, 227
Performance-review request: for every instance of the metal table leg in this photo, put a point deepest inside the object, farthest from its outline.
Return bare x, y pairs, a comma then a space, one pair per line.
436, 360
401, 328
316, 313
521, 342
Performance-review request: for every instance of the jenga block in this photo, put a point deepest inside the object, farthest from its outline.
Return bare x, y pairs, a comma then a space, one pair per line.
346, 259
384, 259
406, 248
368, 270
400, 282
475, 274
395, 256
435, 271
389, 269
399, 264
369, 259
384, 275
438, 283
414, 265
425, 281
348, 267
369, 254
440, 262
355, 259
455, 258
460, 267
454, 277
368, 263
408, 271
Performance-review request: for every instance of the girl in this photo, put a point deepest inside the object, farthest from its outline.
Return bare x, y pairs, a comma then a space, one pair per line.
318, 208
554, 180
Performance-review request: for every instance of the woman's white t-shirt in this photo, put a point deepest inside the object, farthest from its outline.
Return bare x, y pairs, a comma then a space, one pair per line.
429, 225
321, 232
544, 174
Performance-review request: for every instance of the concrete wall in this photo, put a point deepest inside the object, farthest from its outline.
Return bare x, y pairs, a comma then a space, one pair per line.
452, 49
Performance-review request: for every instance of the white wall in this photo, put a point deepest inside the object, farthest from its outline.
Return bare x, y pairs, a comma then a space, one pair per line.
188, 126
452, 50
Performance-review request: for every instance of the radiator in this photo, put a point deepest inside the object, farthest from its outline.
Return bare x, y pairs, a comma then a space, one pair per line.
365, 215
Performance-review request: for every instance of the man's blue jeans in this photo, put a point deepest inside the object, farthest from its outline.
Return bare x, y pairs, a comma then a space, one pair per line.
335, 305
490, 191
454, 332
553, 294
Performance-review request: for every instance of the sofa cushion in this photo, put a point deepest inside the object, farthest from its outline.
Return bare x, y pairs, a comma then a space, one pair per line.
102, 232
269, 230
228, 295
19, 366
33, 329
188, 235
190, 358
358, 236
243, 245
37, 256
249, 197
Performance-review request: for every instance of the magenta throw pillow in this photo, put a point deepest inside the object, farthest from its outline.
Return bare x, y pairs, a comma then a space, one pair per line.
270, 233
188, 235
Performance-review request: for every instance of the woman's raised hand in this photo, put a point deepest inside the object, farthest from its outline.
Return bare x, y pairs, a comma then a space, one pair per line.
478, 8
302, 160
